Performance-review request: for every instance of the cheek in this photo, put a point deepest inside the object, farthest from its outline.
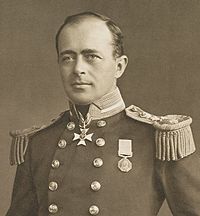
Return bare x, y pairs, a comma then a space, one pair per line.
65, 73
104, 70
104, 82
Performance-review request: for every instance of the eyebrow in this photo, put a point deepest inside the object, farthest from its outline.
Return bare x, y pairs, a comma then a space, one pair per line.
67, 52
88, 51
85, 51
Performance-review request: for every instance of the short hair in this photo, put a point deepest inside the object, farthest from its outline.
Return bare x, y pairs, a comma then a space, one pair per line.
118, 47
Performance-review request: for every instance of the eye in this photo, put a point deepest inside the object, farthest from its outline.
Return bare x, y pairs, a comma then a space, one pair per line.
67, 58
92, 57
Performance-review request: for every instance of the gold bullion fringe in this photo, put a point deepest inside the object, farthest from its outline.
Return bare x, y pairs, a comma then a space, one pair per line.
18, 148
174, 145
20, 141
19, 144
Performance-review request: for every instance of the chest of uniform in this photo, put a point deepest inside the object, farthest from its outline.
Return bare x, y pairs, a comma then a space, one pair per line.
77, 165
90, 173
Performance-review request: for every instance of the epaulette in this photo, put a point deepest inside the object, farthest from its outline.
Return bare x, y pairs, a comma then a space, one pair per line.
173, 136
20, 141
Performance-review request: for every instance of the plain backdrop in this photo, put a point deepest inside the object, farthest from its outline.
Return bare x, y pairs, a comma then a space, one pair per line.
162, 40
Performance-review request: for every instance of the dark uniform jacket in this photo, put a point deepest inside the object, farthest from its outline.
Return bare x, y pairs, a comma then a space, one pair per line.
62, 178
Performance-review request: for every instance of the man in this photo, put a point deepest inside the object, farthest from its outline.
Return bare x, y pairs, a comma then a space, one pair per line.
99, 158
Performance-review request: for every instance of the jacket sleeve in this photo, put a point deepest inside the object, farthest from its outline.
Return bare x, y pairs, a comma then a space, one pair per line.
181, 184
177, 163
24, 198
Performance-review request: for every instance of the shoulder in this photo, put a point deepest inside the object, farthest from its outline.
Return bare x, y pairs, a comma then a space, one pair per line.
21, 138
173, 135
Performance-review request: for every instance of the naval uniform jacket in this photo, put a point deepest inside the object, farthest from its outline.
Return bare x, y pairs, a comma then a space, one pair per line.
41, 183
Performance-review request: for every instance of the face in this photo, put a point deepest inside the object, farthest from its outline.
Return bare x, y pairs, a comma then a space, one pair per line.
87, 66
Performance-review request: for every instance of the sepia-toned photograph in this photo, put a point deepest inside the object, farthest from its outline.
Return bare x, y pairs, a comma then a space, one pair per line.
100, 108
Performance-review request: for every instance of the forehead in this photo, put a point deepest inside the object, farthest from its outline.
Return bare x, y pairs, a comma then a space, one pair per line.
89, 33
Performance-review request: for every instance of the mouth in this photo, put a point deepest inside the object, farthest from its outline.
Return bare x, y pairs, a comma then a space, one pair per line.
81, 84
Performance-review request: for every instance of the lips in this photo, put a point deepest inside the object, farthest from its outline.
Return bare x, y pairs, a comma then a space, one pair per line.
80, 84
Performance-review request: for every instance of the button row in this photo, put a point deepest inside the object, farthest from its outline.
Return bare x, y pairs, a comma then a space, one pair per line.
93, 210
95, 186
97, 162
99, 142
100, 123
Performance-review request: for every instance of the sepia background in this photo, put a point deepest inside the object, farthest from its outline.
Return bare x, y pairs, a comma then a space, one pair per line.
162, 40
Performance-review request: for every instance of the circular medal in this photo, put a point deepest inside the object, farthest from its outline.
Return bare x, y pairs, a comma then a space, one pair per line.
125, 165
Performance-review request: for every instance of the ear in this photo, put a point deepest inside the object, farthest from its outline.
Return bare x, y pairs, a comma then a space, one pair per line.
121, 63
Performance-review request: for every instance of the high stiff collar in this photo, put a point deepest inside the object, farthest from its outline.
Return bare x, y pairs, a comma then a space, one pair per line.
109, 105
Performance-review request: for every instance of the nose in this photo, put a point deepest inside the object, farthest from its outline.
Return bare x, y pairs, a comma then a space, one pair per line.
80, 66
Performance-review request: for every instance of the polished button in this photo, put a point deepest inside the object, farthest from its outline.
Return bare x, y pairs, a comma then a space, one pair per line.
97, 162
55, 164
62, 143
94, 210
53, 186
95, 186
101, 123
71, 126
100, 142
53, 208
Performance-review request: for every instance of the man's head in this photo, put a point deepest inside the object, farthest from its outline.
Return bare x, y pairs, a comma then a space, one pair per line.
91, 56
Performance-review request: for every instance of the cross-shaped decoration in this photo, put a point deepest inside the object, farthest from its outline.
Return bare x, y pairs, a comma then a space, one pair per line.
83, 136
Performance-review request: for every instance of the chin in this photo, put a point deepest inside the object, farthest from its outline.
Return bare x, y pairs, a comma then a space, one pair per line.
80, 101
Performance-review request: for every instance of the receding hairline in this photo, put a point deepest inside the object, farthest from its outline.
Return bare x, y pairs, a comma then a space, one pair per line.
81, 19
111, 26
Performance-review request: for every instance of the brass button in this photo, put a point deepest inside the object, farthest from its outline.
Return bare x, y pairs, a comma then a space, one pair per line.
101, 123
53, 186
100, 142
55, 164
97, 162
62, 143
94, 210
53, 208
71, 126
95, 186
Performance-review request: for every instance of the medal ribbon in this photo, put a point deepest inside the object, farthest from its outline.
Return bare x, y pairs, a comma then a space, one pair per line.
125, 148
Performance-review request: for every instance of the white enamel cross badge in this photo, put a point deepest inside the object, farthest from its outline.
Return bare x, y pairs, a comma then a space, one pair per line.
82, 137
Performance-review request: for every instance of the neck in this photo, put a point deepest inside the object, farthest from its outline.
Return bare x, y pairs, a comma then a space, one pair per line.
83, 109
